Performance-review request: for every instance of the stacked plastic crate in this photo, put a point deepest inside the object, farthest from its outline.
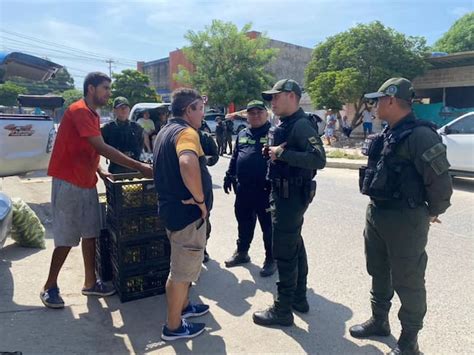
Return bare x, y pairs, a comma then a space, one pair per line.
103, 264
139, 247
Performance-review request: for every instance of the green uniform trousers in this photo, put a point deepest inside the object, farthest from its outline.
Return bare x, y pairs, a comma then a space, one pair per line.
395, 241
288, 246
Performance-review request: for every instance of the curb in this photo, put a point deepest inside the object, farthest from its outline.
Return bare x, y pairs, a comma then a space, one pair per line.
345, 163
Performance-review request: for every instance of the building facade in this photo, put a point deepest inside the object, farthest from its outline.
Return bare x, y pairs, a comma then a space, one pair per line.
446, 90
290, 62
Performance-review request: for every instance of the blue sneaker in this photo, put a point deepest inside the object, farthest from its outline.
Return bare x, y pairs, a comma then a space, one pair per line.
99, 289
185, 331
51, 298
194, 310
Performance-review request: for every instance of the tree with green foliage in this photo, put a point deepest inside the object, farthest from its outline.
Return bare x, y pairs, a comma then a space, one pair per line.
359, 60
61, 82
9, 93
459, 38
71, 96
229, 66
134, 86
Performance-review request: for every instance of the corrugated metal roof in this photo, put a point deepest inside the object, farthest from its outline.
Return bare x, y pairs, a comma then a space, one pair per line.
452, 60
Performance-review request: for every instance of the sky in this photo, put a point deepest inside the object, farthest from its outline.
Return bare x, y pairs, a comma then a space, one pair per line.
83, 35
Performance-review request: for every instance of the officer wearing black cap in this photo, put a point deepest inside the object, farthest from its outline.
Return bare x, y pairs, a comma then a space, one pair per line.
409, 187
247, 176
123, 135
296, 152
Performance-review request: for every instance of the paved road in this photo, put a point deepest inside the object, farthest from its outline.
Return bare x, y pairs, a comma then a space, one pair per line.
338, 285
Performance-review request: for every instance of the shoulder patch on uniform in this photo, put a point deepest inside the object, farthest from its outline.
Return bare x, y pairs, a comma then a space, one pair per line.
433, 152
436, 158
313, 140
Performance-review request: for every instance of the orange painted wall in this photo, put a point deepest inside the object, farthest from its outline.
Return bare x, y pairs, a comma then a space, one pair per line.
177, 58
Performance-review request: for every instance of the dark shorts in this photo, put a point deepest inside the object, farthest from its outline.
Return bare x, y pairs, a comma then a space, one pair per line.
367, 127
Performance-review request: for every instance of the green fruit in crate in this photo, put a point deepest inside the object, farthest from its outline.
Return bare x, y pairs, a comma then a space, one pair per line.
132, 195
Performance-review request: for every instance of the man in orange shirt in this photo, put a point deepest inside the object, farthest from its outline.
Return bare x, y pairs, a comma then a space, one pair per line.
74, 201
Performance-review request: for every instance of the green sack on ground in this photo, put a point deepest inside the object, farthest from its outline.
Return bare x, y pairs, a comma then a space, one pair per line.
27, 229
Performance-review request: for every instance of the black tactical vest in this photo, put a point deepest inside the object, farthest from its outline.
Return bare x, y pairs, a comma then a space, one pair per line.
278, 135
389, 176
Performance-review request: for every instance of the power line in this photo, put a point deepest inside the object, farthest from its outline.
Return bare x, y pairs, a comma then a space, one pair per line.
56, 56
64, 47
26, 47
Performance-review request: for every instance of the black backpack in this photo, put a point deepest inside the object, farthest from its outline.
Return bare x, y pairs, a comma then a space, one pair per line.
316, 121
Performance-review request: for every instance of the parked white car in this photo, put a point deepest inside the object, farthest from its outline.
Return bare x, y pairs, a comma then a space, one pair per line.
153, 107
458, 136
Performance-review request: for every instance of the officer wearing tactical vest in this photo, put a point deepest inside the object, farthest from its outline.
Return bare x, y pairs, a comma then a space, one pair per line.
408, 183
123, 135
296, 152
247, 175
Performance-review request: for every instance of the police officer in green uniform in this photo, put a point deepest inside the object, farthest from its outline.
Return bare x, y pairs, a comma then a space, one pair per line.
295, 152
409, 187
122, 134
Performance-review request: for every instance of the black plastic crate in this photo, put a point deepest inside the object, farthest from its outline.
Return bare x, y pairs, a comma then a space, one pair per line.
103, 264
126, 195
136, 226
152, 251
102, 211
140, 283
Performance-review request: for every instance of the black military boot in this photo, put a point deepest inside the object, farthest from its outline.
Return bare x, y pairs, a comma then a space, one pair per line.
407, 344
374, 326
269, 268
272, 316
300, 305
237, 259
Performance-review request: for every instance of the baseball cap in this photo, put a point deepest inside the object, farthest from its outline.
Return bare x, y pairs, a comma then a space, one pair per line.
120, 101
256, 104
396, 87
284, 85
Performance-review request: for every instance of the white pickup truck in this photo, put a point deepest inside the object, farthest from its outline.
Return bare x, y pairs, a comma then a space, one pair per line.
26, 140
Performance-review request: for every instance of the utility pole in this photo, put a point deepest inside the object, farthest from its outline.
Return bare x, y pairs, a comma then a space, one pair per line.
109, 62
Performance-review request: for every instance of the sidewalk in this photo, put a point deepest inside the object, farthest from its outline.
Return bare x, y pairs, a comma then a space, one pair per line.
344, 163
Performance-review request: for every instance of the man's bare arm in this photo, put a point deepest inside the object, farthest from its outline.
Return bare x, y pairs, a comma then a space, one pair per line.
117, 157
191, 174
